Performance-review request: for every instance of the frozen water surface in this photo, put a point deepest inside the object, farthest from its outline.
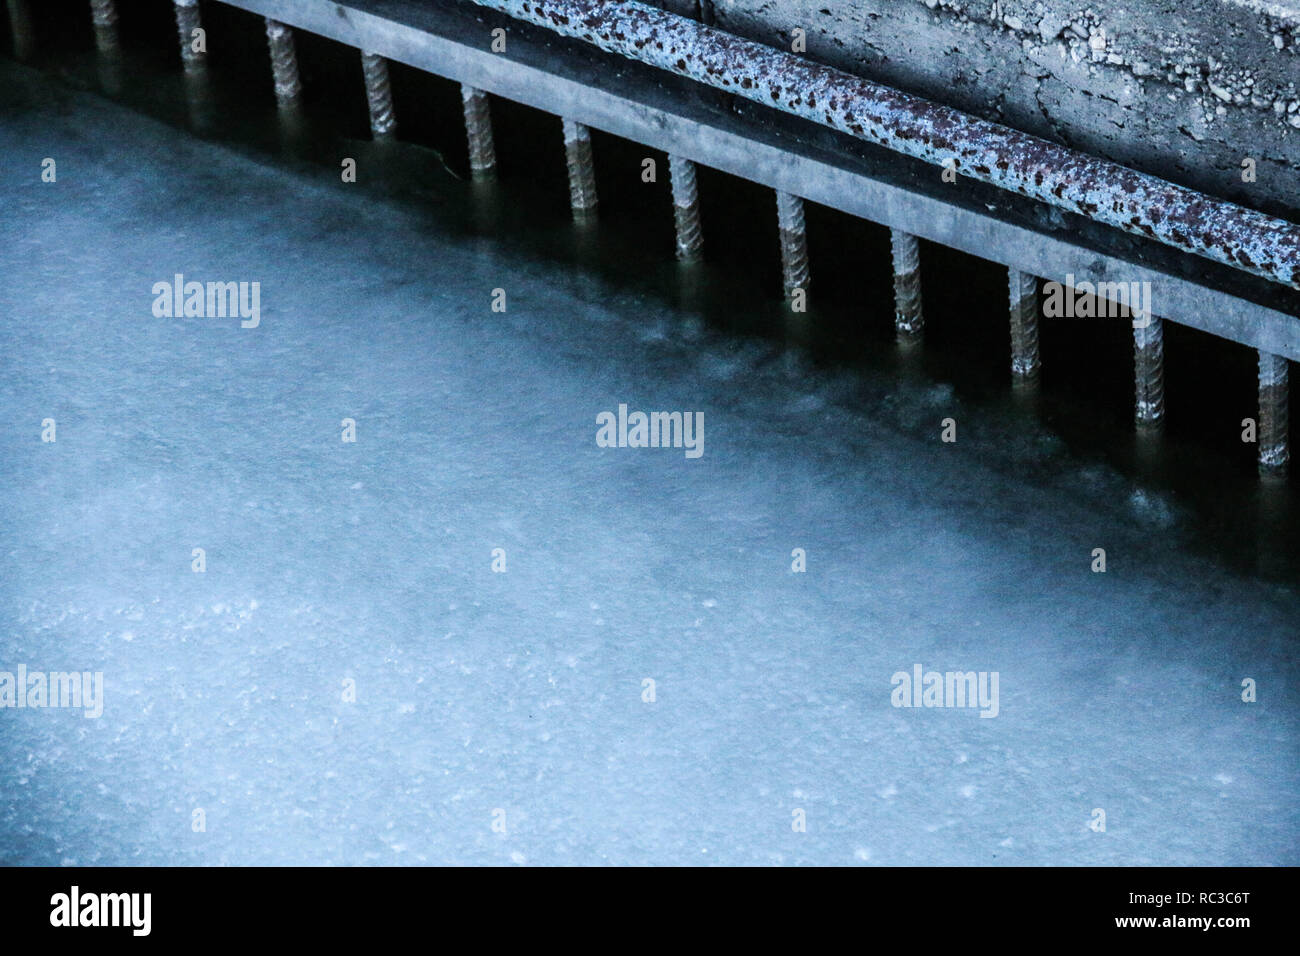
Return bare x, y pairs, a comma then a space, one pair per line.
522, 691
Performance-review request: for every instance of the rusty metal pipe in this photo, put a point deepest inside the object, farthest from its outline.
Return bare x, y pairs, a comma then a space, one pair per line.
1104, 191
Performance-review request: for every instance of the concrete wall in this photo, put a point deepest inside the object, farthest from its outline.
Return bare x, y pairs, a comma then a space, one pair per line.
1184, 89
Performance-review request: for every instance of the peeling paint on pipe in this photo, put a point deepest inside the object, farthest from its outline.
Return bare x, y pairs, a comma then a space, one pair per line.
1103, 191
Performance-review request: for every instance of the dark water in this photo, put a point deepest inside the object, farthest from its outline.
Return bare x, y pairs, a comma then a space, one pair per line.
1196, 469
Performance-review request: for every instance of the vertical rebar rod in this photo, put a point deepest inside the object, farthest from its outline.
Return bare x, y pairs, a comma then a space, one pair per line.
1149, 370
478, 132
1274, 445
686, 208
284, 62
379, 95
103, 14
794, 242
1025, 363
909, 321
20, 28
187, 21
582, 169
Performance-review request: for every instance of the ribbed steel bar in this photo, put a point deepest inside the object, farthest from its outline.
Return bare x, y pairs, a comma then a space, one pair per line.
104, 15
582, 169
686, 208
187, 22
1149, 371
909, 320
284, 62
1274, 445
794, 243
21, 29
1025, 363
478, 132
379, 95
1107, 192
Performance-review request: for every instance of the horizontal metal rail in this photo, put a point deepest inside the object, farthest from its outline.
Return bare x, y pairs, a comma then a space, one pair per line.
1104, 191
